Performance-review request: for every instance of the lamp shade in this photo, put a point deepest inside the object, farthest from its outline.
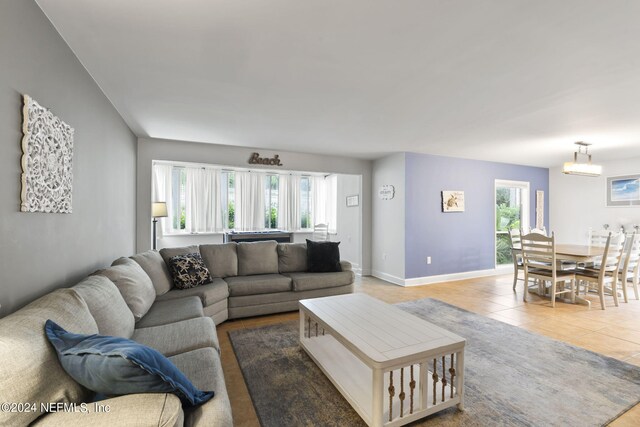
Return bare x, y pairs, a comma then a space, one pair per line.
159, 210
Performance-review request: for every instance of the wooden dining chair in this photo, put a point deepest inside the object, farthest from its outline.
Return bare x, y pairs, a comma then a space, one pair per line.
516, 254
604, 277
630, 265
320, 232
542, 230
598, 237
539, 257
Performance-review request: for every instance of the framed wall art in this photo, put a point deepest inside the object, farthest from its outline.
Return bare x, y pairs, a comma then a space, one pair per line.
47, 160
353, 201
452, 201
623, 191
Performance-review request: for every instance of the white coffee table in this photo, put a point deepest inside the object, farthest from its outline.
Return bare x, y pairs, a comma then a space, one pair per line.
387, 363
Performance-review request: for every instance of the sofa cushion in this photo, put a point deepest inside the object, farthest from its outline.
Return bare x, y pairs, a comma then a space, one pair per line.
323, 257
148, 409
155, 267
107, 306
134, 285
309, 281
258, 284
168, 253
210, 293
189, 271
163, 312
257, 258
292, 257
221, 260
204, 369
179, 337
30, 370
113, 366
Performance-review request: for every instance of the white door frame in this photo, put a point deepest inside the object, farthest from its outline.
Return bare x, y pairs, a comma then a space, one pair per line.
525, 210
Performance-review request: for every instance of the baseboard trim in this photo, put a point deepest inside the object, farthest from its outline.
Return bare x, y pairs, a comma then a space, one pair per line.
388, 277
428, 280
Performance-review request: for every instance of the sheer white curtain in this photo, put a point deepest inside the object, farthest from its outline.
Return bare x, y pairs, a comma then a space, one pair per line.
203, 210
318, 200
161, 192
324, 196
331, 202
249, 207
289, 202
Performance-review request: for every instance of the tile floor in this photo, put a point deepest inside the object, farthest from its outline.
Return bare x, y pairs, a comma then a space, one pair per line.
614, 332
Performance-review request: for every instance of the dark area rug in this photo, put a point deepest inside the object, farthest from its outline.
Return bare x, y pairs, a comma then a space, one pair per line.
512, 377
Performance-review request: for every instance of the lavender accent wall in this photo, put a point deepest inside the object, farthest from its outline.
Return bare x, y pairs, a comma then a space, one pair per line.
465, 241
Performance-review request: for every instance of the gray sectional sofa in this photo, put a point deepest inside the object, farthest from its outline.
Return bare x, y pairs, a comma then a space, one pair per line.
135, 299
250, 278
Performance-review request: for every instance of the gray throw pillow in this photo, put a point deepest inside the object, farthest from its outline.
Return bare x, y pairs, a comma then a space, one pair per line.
134, 285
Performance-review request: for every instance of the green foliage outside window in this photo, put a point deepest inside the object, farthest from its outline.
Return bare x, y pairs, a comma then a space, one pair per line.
232, 216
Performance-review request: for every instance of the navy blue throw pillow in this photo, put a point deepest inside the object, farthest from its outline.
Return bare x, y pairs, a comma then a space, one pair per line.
323, 257
116, 366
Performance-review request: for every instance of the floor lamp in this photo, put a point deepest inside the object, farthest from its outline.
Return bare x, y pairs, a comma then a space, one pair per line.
158, 210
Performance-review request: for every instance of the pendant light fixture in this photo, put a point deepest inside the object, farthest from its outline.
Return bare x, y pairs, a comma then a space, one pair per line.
582, 168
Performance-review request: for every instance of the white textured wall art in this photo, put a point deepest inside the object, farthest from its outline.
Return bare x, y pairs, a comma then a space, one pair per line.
47, 161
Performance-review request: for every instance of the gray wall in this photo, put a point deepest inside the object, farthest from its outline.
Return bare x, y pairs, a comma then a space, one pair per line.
158, 149
40, 252
389, 219
348, 225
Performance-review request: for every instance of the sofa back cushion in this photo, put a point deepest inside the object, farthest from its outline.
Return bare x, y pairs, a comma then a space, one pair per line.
292, 257
155, 267
221, 259
257, 258
30, 370
168, 253
134, 285
107, 306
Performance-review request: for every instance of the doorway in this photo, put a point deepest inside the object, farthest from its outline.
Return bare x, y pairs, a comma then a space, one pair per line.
512, 212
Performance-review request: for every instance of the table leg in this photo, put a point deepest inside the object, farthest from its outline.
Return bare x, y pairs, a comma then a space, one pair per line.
302, 321
460, 376
378, 402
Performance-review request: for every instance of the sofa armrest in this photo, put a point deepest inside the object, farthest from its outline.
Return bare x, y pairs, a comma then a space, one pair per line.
148, 409
346, 266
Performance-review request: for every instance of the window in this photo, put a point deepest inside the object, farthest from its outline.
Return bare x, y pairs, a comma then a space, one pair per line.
178, 187
271, 183
228, 199
305, 203
202, 199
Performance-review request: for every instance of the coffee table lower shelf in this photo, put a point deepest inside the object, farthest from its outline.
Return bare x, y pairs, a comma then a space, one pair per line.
398, 405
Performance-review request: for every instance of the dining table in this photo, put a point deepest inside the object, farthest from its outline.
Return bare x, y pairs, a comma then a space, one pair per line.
579, 254
574, 253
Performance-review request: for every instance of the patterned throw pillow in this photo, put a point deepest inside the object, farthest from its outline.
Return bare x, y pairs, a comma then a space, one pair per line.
188, 271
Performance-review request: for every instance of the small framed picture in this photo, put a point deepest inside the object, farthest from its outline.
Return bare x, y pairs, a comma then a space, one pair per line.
623, 190
452, 201
353, 200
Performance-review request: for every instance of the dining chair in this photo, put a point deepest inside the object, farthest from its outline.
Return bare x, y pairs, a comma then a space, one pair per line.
598, 237
630, 265
539, 257
606, 273
320, 232
516, 254
542, 230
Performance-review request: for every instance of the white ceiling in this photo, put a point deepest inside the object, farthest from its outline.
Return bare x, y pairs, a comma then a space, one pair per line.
508, 80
